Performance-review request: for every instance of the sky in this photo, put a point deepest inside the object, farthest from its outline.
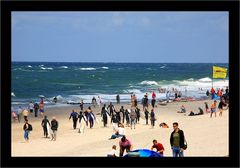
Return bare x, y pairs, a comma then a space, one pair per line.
155, 37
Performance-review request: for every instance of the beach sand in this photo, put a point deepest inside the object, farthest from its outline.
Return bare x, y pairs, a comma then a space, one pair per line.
205, 136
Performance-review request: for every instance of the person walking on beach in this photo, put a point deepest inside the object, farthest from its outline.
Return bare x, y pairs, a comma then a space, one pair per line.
207, 93
152, 118
114, 121
146, 112
19, 113
118, 116
177, 141
74, 116
91, 117
82, 119
25, 114
127, 113
153, 99
213, 108
45, 124
81, 105
111, 108
54, 128
135, 100
145, 102
36, 107
133, 117
87, 116
137, 110
41, 108
159, 147
104, 115
122, 111
27, 128
220, 106
124, 144
118, 99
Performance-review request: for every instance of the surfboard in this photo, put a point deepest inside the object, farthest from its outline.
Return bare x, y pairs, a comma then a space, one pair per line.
49, 130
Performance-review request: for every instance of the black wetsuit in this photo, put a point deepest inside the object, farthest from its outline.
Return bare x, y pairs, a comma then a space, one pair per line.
123, 114
137, 110
152, 118
74, 116
45, 121
111, 107
127, 116
81, 105
146, 116
86, 115
153, 102
104, 114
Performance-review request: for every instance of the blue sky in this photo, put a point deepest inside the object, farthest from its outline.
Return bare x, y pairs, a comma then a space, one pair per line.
196, 37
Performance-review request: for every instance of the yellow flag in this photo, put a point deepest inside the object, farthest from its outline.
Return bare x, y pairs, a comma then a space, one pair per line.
219, 72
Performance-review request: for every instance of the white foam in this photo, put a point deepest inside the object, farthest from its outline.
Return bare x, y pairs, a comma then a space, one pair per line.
105, 68
29, 66
64, 67
13, 94
50, 68
135, 91
46, 68
88, 69
207, 79
162, 67
43, 68
149, 83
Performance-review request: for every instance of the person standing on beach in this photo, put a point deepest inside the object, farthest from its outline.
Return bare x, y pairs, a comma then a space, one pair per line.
220, 106
145, 102
207, 93
111, 108
118, 116
41, 108
36, 107
206, 107
177, 141
152, 118
133, 117
122, 111
45, 123
94, 101
213, 108
124, 144
137, 110
104, 116
114, 121
118, 99
127, 113
54, 128
81, 122
146, 112
30, 107
27, 128
99, 101
135, 100
25, 114
167, 96
19, 113
153, 99
81, 105
74, 116
87, 116
158, 146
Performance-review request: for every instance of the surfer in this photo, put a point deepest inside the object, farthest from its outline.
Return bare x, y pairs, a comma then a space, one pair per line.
81, 105
104, 114
123, 114
36, 107
137, 110
55, 99
114, 121
99, 101
94, 101
146, 112
91, 117
74, 116
45, 123
111, 108
81, 124
127, 117
118, 99
152, 118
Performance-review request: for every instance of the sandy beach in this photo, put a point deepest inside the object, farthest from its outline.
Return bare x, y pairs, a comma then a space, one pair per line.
205, 136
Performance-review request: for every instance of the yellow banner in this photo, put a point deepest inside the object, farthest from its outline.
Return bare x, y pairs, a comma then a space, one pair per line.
219, 72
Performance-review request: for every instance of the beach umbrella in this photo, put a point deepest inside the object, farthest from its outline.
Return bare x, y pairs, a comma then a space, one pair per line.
142, 153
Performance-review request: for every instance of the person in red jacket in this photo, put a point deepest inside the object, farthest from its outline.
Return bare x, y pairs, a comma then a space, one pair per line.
158, 146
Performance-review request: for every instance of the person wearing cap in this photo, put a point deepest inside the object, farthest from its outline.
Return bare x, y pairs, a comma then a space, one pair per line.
124, 144
213, 108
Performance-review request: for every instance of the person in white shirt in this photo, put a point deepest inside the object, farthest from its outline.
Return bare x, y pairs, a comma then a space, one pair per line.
113, 152
120, 132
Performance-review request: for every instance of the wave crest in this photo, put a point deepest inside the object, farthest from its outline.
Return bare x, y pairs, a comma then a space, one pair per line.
148, 83
88, 69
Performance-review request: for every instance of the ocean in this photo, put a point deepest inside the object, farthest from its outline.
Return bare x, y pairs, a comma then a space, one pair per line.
71, 82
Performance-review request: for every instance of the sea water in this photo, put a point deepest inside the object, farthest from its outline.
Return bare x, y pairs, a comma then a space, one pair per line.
71, 82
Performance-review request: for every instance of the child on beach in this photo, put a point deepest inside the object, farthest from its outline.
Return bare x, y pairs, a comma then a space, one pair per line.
213, 108
113, 152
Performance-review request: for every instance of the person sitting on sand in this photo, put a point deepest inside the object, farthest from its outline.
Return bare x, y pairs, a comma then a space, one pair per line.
125, 144
183, 109
200, 111
120, 132
158, 146
207, 110
163, 125
113, 152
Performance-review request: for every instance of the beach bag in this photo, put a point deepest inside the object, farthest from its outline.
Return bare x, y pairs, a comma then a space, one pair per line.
185, 144
30, 127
